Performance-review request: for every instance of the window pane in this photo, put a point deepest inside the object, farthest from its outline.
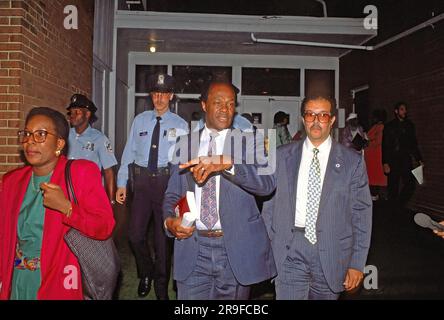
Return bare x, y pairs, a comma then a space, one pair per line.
142, 74
320, 82
271, 82
191, 79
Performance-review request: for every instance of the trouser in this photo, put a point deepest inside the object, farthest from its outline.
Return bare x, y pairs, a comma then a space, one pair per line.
212, 278
146, 207
401, 172
302, 277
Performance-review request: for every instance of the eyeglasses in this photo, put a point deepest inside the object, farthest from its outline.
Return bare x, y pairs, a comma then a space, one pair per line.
323, 117
38, 135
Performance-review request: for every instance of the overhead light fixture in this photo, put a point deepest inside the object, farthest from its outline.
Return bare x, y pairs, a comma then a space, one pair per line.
152, 48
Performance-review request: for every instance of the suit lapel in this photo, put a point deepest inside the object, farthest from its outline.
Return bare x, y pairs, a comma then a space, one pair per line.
333, 173
293, 162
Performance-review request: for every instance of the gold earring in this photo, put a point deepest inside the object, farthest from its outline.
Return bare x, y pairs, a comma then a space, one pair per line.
58, 152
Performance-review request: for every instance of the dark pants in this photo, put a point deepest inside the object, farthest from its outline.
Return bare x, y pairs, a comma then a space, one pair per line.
401, 172
147, 207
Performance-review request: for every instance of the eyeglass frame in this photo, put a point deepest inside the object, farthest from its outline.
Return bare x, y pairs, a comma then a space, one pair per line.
22, 140
316, 116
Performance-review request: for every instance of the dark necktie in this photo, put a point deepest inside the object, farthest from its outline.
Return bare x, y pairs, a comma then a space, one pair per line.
154, 149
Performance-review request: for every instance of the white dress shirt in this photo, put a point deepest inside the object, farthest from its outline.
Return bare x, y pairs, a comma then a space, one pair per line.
203, 151
304, 169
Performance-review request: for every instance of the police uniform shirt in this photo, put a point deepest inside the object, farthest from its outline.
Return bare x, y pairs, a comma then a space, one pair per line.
138, 146
91, 145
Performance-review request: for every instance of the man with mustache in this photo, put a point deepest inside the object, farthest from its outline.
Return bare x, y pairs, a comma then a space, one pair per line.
319, 219
228, 248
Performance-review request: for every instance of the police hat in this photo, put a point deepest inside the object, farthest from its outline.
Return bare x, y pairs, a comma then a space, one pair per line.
81, 101
161, 82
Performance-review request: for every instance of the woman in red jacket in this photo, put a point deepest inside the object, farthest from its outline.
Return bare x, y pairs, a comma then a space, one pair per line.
35, 214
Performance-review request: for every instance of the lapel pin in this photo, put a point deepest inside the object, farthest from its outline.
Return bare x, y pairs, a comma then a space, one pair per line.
338, 165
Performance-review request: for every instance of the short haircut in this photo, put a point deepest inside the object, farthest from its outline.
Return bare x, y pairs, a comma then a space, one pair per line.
209, 85
317, 97
58, 119
399, 104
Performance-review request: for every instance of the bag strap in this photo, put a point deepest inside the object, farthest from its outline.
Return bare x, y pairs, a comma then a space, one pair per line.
68, 182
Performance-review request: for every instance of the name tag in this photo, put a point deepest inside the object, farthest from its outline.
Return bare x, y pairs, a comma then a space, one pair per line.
144, 133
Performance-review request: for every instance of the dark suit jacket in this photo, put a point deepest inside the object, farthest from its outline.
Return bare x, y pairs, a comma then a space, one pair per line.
343, 227
399, 144
245, 235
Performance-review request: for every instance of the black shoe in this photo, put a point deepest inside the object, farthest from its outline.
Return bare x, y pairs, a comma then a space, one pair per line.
144, 287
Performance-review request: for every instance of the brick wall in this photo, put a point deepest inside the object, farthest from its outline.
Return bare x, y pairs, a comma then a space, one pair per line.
411, 70
41, 63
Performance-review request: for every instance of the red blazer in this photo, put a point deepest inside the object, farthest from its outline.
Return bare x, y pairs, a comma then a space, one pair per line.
60, 271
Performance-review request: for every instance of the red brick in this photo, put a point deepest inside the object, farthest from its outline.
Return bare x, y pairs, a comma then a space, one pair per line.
3, 141
13, 106
15, 73
10, 29
11, 98
10, 115
3, 159
8, 149
13, 141
10, 81
11, 64
3, 89
15, 123
4, 21
3, 123
5, 4
6, 168
14, 159
10, 46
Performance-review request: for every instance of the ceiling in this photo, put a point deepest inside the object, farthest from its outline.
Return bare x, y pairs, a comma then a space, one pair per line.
192, 41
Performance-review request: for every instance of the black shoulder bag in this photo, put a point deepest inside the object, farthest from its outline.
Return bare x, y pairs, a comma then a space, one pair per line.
99, 260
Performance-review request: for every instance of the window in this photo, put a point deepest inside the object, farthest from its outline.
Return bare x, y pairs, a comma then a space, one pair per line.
271, 82
191, 79
320, 82
142, 74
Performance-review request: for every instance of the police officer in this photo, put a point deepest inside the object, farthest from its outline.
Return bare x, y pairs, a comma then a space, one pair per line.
88, 143
150, 146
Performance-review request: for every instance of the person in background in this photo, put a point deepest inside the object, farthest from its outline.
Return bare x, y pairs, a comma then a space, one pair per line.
152, 136
280, 124
351, 130
88, 143
373, 156
250, 119
35, 214
400, 154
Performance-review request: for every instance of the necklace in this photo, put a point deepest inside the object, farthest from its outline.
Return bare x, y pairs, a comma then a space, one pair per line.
33, 184
37, 190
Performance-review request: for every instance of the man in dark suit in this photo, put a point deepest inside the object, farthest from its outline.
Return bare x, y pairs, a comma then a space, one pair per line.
400, 153
319, 219
228, 249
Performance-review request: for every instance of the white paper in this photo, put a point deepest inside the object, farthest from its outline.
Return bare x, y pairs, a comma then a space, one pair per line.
188, 219
418, 174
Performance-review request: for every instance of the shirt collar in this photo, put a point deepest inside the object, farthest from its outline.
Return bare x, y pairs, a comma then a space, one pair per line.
323, 147
221, 134
84, 133
165, 116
